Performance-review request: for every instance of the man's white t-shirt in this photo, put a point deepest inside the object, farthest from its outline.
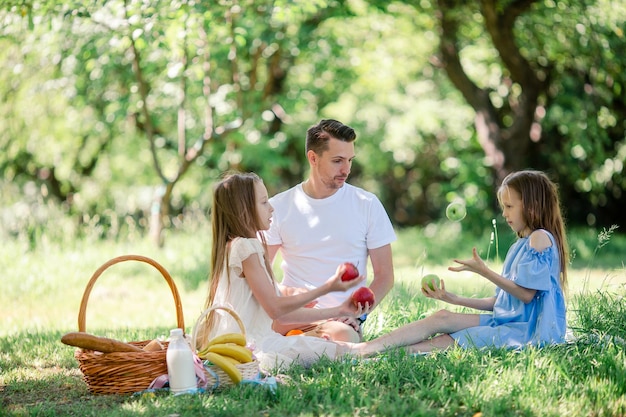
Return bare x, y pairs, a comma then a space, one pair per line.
317, 235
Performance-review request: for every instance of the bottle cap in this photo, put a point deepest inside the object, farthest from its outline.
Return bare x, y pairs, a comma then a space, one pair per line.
176, 332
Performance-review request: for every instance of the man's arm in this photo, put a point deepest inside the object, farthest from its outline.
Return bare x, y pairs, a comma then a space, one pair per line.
382, 268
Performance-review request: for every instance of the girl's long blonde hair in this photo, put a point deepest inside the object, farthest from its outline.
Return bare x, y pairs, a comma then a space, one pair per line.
233, 215
541, 209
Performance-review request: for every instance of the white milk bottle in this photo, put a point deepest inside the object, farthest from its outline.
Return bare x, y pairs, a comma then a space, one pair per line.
180, 364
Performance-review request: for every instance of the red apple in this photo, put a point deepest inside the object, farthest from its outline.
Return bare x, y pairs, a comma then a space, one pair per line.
350, 273
363, 295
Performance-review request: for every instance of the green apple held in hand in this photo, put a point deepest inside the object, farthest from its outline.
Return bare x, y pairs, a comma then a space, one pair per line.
431, 281
456, 211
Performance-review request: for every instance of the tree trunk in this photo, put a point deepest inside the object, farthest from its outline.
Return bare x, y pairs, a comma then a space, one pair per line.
506, 145
159, 210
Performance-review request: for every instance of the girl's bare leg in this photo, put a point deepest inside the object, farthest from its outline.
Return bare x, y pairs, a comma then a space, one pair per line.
413, 334
440, 342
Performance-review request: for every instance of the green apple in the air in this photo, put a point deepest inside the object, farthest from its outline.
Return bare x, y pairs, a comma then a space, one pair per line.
456, 211
430, 280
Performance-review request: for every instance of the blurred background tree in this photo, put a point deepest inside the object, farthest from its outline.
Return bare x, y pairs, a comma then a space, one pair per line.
119, 115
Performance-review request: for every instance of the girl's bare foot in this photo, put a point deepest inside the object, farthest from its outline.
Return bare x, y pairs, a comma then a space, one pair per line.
359, 350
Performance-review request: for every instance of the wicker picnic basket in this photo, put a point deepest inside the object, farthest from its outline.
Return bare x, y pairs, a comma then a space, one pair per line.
124, 372
216, 377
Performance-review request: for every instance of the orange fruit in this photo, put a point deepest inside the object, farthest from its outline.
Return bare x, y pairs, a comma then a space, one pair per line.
294, 332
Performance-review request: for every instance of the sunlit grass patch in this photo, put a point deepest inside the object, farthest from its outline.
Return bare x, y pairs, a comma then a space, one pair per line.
43, 287
602, 312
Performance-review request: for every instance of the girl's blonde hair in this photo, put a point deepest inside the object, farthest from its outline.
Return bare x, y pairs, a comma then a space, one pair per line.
233, 215
541, 209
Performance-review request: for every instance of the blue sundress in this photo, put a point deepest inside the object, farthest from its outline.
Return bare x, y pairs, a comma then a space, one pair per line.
513, 324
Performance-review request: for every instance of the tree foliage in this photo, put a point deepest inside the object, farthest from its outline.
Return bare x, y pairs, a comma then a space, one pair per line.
544, 82
200, 83
122, 111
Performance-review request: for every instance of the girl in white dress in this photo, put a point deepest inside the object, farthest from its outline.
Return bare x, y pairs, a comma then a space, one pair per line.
242, 279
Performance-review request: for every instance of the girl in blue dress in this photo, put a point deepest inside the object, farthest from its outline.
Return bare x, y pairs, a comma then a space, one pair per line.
528, 307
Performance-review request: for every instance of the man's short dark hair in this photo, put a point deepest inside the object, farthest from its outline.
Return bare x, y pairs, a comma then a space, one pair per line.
317, 136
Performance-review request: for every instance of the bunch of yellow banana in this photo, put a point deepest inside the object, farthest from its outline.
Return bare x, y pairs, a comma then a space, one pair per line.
227, 351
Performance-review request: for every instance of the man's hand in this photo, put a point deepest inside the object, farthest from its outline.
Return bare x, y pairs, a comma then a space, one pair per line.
287, 291
350, 321
349, 310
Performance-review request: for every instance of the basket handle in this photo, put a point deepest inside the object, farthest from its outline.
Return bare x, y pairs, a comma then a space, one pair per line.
229, 310
177, 301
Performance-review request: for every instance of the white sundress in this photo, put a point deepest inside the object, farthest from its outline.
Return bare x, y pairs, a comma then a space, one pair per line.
273, 350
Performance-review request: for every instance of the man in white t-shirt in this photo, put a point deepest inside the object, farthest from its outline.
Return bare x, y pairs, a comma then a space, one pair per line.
324, 221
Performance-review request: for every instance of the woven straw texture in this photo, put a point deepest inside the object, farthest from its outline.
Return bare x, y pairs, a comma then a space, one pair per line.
217, 378
124, 372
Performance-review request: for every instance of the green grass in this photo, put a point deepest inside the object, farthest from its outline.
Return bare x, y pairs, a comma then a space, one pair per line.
42, 288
